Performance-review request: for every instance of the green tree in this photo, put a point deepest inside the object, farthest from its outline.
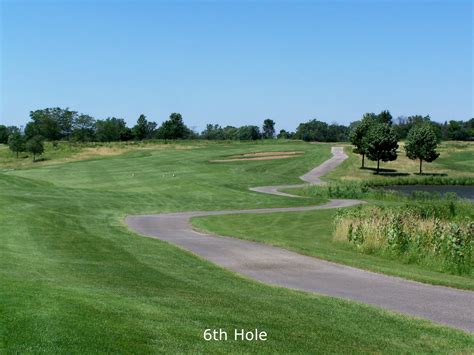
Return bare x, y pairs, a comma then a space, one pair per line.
51, 123
385, 117
284, 134
230, 133
458, 130
359, 133
35, 146
213, 132
16, 142
4, 134
337, 133
405, 124
83, 129
144, 129
421, 144
382, 143
312, 131
268, 128
174, 128
112, 129
247, 133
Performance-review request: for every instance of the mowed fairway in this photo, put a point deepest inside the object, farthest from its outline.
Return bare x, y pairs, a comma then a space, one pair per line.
74, 279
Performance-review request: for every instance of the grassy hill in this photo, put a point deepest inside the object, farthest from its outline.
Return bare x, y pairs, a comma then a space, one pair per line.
74, 279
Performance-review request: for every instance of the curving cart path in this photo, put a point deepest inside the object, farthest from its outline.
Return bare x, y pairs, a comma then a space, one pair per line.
280, 267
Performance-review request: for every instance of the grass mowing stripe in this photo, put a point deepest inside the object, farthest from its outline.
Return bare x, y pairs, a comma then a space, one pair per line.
74, 279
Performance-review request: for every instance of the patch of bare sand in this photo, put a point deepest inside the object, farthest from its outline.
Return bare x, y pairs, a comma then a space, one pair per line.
265, 154
268, 157
90, 153
105, 151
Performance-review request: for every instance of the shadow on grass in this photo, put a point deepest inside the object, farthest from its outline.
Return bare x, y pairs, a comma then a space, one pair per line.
389, 173
431, 174
381, 169
386, 172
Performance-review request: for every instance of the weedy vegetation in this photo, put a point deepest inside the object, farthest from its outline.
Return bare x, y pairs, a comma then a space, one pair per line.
435, 232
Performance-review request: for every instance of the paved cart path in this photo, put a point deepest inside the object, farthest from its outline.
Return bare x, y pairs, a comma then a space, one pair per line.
277, 266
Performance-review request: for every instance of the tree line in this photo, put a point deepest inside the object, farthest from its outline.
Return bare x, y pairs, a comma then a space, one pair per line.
54, 124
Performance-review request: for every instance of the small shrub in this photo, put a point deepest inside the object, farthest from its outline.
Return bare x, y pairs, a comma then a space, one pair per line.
457, 248
396, 237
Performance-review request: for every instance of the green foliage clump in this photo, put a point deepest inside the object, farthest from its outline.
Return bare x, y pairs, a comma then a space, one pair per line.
35, 146
421, 144
430, 233
457, 247
397, 239
382, 144
16, 142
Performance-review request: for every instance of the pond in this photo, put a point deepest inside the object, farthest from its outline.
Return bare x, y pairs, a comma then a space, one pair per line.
460, 190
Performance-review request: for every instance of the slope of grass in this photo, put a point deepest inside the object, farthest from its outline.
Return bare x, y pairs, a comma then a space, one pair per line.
73, 279
64, 152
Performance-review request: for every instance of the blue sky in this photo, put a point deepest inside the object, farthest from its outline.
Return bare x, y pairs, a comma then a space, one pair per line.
237, 62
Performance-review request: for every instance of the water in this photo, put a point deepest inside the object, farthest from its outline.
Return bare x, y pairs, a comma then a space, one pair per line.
460, 190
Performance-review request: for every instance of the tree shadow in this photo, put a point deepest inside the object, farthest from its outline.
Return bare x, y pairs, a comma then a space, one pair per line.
431, 174
381, 169
37, 160
389, 173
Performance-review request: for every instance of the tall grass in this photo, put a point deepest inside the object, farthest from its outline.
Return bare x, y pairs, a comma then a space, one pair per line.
430, 233
368, 189
422, 180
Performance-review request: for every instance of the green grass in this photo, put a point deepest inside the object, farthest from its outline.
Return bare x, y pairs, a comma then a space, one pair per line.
74, 279
310, 233
455, 161
64, 152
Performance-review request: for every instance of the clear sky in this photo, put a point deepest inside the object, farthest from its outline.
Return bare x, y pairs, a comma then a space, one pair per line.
237, 62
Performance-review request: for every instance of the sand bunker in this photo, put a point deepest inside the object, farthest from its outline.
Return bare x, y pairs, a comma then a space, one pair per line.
259, 156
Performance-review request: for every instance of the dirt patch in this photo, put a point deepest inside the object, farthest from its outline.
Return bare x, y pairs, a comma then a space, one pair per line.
265, 154
259, 156
99, 151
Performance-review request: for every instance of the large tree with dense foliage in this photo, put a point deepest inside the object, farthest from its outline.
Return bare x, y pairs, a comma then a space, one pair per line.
312, 131
285, 135
51, 123
382, 143
4, 134
405, 124
385, 117
231, 133
421, 144
174, 128
247, 133
268, 128
35, 146
112, 129
359, 131
83, 129
16, 142
213, 132
460, 130
144, 129
337, 133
